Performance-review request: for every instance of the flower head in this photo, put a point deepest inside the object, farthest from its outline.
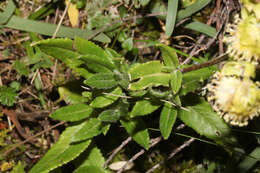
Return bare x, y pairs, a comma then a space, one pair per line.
234, 97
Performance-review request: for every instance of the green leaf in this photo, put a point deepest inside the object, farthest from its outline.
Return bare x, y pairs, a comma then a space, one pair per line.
103, 38
171, 16
149, 74
42, 28
101, 81
71, 93
110, 115
202, 28
19, 168
143, 107
5, 16
71, 96
128, 44
167, 119
93, 157
91, 128
192, 80
170, 58
136, 129
72, 112
89, 169
7, 95
176, 80
93, 53
206, 122
61, 152
106, 99
21, 68
250, 160
193, 8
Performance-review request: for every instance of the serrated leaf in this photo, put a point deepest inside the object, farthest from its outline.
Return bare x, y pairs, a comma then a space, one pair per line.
61, 152
91, 128
72, 112
106, 99
90, 169
143, 107
171, 16
167, 119
136, 129
192, 80
149, 74
170, 57
7, 95
93, 157
21, 68
70, 96
110, 115
206, 122
101, 81
176, 80
93, 53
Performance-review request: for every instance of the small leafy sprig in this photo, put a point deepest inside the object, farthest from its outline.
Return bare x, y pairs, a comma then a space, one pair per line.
119, 92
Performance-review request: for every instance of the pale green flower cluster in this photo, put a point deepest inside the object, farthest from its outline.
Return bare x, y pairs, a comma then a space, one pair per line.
233, 93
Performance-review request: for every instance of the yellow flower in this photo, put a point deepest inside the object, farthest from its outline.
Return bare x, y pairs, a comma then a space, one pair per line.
244, 38
233, 95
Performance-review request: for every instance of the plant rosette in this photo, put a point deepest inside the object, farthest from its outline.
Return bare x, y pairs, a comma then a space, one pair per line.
233, 95
243, 38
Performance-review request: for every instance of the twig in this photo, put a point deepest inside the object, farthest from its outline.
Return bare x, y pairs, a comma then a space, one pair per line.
32, 137
177, 150
214, 61
62, 17
141, 152
123, 144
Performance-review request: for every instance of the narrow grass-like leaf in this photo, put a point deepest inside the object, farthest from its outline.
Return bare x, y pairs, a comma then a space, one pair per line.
250, 160
4, 17
202, 28
22, 24
206, 122
171, 16
176, 80
61, 152
72, 112
167, 119
106, 99
91, 128
136, 129
143, 107
101, 81
193, 8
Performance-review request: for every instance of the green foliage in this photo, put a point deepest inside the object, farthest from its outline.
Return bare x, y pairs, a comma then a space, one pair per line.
167, 119
205, 121
171, 16
121, 92
63, 151
7, 95
72, 112
21, 68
